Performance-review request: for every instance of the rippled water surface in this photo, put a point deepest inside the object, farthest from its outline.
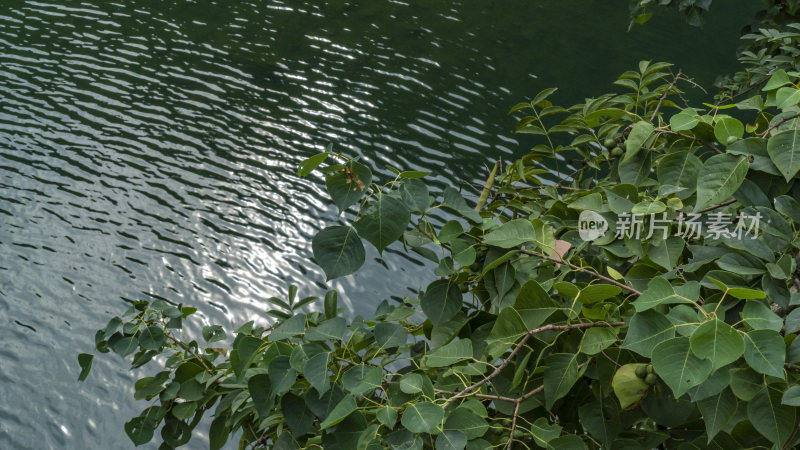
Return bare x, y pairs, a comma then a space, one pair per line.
147, 150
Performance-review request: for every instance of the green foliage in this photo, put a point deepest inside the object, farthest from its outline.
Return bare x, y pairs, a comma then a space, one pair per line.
528, 335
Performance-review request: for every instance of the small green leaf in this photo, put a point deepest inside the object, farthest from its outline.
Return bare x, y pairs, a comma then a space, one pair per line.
85, 361
311, 163
658, 291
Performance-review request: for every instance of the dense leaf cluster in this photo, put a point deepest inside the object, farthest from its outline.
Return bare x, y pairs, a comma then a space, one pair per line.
529, 336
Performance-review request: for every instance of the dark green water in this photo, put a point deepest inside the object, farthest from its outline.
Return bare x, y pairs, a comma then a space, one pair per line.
147, 150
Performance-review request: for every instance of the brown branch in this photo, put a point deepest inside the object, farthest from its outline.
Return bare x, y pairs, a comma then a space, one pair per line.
518, 347
666, 93
189, 349
719, 205
788, 444
513, 426
778, 124
557, 186
584, 270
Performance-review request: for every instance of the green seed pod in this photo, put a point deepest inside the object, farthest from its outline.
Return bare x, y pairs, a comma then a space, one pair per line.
476, 266
616, 152
649, 368
609, 142
651, 379
641, 371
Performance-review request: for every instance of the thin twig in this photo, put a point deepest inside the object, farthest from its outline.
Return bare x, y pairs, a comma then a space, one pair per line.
518, 347
584, 270
189, 349
666, 93
779, 124
513, 426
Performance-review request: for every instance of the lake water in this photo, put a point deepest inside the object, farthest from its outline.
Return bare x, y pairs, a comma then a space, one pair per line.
148, 150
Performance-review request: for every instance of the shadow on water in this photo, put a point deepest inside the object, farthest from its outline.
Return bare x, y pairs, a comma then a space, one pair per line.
147, 150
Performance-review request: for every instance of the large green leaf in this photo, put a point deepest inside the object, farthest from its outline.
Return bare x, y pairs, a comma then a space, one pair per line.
383, 221
667, 252
281, 374
679, 169
717, 411
784, 150
390, 335
628, 387
508, 328
315, 371
646, 330
340, 412
760, 317
772, 419
441, 301
451, 440
348, 185
765, 351
511, 234
596, 340
338, 250
639, 134
675, 363
423, 417
449, 354
559, 377
261, 392
728, 127
362, 378
466, 420
684, 120
719, 178
717, 342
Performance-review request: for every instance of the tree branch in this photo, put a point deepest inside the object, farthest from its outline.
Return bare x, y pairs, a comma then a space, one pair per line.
778, 124
584, 270
189, 349
518, 347
666, 93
